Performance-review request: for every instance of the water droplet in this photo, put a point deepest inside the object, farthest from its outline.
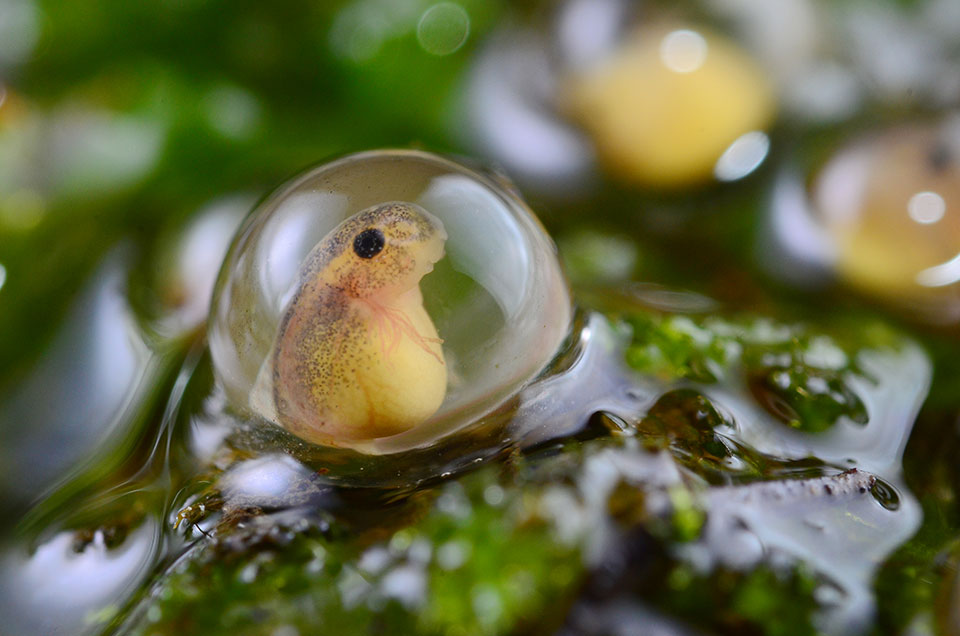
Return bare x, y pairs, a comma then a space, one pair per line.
443, 28
453, 554
886, 495
493, 495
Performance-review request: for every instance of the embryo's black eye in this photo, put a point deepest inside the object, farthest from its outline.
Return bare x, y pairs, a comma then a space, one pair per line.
368, 243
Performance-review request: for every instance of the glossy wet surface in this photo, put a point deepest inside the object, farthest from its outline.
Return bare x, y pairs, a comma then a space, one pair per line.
680, 450
750, 427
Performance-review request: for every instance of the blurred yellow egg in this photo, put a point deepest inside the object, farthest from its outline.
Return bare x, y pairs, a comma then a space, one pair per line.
665, 106
891, 204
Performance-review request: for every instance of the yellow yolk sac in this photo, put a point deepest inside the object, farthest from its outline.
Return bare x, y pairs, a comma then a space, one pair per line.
381, 302
890, 203
357, 355
666, 105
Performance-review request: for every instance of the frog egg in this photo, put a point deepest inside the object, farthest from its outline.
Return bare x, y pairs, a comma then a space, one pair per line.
496, 296
672, 106
890, 205
651, 100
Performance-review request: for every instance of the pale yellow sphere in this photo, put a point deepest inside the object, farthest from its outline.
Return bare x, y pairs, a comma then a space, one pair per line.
891, 204
665, 106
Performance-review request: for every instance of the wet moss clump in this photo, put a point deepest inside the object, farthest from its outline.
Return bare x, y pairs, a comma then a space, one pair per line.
517, 549
643, 515
760, 601
484, 559
650, 514
802, 378
805, 398
675, 347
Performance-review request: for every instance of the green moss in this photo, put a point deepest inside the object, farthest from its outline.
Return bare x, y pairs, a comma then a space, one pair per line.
911, 579
484, 560
675, 347
590, 257
303, 584
803, 397
917, 582
779, 605
688, 517
496, 567
502, 550
759, 601
499, 551
797, 374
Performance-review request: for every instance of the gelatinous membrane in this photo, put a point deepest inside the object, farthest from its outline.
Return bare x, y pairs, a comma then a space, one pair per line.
374, 301
889, 204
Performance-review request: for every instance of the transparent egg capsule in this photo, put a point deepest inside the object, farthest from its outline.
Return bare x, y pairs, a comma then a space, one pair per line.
383, 301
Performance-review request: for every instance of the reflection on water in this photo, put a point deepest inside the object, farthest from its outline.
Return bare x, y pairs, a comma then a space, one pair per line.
58, 589
898, 384
99, 368
834, 524
508, 117
273, 482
